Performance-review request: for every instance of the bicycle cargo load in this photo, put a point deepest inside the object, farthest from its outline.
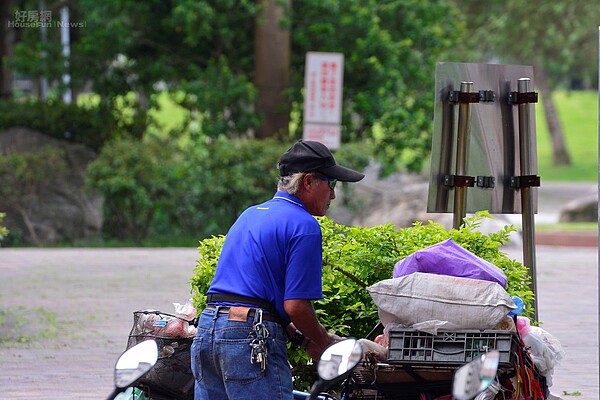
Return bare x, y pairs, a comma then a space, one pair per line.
171, 378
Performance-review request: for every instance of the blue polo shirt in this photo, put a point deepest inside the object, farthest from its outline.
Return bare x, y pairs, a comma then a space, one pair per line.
272, 252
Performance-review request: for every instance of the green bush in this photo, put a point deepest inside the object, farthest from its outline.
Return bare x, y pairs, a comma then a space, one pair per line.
90, 125
216, 181
161, 186
355, 257
134, 178
3, 230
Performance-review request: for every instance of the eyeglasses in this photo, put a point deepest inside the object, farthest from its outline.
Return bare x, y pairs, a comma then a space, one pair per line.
330, 182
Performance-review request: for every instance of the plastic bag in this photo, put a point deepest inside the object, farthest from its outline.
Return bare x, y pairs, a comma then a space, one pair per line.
376, 349
546, 351
164, 325
448, 258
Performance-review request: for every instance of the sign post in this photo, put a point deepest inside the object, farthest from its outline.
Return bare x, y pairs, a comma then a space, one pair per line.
323, 86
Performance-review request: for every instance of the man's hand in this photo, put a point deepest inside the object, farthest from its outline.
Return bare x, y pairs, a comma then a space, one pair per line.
304, 318
335, 338
313, 350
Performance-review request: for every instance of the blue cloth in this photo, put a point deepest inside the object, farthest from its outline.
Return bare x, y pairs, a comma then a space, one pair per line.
221, 361
272, 252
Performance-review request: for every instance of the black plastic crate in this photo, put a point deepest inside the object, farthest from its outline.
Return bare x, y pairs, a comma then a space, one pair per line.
451, 348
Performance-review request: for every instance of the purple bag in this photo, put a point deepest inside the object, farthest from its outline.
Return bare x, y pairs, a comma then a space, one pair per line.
448, 258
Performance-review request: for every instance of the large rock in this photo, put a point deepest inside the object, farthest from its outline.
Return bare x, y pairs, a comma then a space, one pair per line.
57, 212
584, 209
400, 200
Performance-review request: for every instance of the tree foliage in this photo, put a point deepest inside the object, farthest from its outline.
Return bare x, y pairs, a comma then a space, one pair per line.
390, 50
558, 38
356, 257
203, 53
199, 51
90, 124
217, 181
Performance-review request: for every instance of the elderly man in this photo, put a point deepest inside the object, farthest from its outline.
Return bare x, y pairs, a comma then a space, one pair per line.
269, 270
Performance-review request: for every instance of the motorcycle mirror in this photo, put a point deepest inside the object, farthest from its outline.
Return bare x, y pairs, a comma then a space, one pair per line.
338, 359
135, 362
476, 376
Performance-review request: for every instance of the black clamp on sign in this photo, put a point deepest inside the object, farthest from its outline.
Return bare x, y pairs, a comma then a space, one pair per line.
486, 182
463, 97
524, 181
484, 96
522, 98
459, 180
487, 96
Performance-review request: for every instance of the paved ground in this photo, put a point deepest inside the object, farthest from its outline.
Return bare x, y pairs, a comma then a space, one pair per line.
93, 293
567, 282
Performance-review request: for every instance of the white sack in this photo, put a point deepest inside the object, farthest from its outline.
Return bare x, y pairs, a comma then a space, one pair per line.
459, 303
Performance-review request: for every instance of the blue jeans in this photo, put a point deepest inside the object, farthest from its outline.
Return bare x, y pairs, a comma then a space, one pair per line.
221, 361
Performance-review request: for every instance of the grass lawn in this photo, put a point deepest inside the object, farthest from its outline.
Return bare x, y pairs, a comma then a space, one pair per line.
578, 113
568, 226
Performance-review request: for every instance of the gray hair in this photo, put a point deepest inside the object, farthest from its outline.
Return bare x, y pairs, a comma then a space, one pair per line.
290, 184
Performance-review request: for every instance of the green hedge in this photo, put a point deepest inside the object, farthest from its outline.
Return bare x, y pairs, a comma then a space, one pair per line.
134, 177
88, 125
355, 257
162, 186
3, 230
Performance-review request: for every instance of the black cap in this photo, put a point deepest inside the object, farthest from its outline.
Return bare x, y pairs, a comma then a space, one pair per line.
306, 156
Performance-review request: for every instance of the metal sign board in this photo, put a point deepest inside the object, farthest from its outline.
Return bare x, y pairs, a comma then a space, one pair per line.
493, 153
323, 86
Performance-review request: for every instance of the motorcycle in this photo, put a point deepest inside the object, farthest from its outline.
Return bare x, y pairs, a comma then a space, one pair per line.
337, 362
340, 359
171, 377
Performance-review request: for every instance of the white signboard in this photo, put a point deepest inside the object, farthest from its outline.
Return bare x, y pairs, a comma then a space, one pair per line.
323, 86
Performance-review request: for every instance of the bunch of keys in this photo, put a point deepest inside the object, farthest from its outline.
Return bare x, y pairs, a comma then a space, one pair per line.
258, 355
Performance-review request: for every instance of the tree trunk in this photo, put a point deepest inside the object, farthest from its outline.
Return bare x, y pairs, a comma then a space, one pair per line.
272, 69
560, 155
7, 37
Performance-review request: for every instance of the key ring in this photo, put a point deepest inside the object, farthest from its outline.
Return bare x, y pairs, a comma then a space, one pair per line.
259, 328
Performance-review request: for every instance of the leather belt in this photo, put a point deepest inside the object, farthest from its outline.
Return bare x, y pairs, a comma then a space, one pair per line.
224, 310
